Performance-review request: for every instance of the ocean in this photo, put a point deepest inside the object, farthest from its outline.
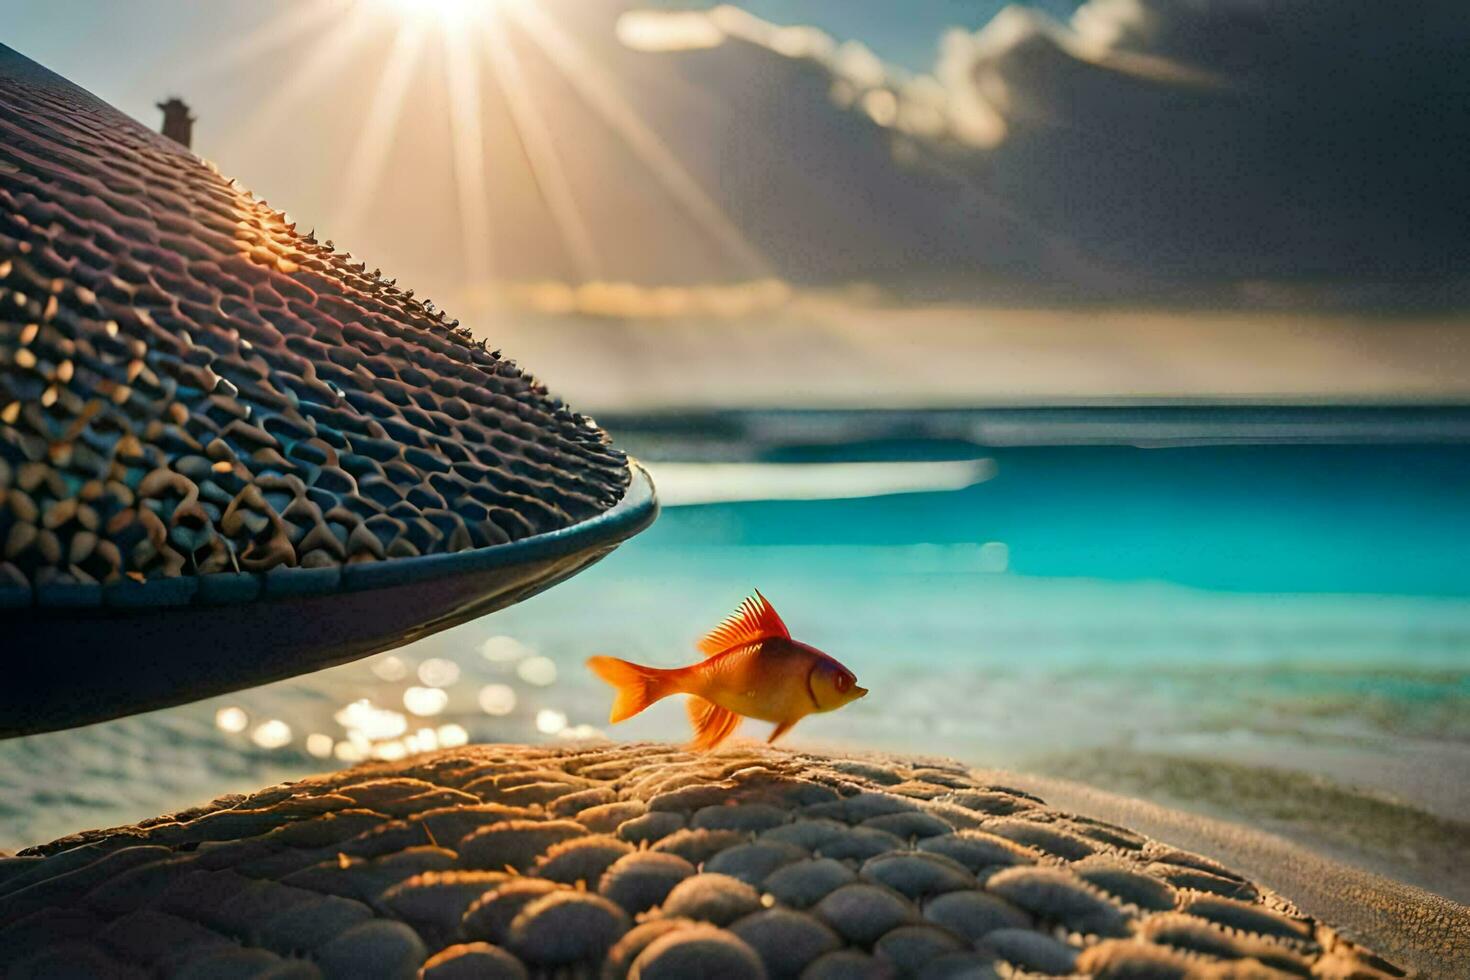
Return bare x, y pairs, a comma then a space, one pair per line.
1293, 616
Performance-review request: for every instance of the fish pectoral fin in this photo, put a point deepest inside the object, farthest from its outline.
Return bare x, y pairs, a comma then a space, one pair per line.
712, 723
781, 729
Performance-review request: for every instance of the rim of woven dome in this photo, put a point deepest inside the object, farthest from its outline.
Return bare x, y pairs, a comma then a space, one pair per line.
631, 514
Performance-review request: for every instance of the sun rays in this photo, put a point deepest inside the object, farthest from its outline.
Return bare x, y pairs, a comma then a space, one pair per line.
328, 54
479, 47
297, 22
467, 137
370, 153
541, 152
601, 95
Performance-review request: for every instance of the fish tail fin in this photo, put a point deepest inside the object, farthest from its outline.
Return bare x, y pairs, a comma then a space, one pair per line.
712, 723
637, 686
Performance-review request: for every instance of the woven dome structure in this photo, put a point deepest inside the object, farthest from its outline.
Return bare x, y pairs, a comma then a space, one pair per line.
646, 861
228, 452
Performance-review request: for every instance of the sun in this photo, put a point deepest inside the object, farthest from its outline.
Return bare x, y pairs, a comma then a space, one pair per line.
446, 12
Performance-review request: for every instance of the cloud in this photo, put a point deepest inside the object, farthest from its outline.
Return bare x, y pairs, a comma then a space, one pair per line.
1188, 141
1238, 139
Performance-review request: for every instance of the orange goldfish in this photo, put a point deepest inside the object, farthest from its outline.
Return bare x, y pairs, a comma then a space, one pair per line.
752, 669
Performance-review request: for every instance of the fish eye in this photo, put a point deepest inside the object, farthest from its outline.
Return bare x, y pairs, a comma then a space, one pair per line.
842, 683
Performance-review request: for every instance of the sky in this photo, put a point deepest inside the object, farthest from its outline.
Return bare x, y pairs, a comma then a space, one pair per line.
1298, 151
87, 35
129, 52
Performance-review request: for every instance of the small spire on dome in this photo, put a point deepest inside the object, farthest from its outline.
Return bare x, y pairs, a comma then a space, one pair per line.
178, 121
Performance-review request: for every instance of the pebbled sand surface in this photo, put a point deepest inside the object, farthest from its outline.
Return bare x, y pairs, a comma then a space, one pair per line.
646, 861
1416, 928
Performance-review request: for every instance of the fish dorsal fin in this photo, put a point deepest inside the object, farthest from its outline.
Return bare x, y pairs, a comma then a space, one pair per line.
754, 621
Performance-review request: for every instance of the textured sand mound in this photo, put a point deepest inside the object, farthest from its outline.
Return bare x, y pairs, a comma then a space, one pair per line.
645, 861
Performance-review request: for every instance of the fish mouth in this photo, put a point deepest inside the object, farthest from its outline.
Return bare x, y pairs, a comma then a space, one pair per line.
859, 692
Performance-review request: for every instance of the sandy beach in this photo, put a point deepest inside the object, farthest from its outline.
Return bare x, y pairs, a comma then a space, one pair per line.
1419, 927
1416, 927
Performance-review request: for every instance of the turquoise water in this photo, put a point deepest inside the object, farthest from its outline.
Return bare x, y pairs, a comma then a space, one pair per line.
1087, 596
1385, 519
1305, 606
